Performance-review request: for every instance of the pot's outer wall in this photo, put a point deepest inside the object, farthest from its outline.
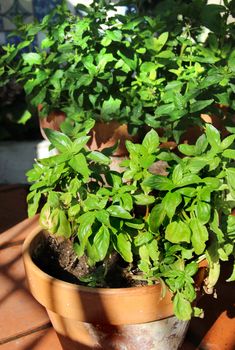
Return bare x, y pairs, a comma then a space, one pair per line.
165, 334
98, 318
114, 306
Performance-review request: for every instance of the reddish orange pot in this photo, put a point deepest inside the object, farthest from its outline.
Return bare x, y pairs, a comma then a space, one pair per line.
103, 318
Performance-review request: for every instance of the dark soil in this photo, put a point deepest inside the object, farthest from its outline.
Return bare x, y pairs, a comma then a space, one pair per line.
57, 258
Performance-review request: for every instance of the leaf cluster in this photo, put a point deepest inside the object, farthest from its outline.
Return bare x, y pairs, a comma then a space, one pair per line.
138, 69
161, 225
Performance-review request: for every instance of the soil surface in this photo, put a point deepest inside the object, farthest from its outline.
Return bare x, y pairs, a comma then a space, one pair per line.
57, 258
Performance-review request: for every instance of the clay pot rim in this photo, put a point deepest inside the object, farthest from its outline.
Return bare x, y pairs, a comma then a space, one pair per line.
26, 252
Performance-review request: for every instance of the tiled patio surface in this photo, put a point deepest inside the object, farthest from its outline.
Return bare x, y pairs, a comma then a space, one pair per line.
24, 324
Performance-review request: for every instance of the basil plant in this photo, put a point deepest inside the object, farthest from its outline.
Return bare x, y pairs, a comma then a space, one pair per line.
137, 69
161, 215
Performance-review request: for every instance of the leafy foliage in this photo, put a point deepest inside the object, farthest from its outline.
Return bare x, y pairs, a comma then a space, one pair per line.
160, 71
161, 225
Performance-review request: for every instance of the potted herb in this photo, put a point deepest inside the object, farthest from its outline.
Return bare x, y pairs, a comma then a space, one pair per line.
158, 71
118, 252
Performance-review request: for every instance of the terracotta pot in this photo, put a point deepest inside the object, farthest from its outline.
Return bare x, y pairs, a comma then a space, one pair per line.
105, 135
103, 318
52, 121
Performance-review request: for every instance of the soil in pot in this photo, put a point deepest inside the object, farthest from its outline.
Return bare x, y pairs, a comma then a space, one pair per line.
57, 258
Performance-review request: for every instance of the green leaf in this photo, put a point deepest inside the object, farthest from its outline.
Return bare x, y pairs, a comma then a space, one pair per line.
79, 143
136, 224
25, 117
84, 230
99, 157
147, 67
32, 58
165, 109
33, 199
199, 236
171, 201
231, 61
229, 153
157, 216
110, 106
59, 140
103, 217
188, 150
101, 242
232, 277
46, 43
191, 268
199, 105
213, 137
188, 180
201, 144
159, 182
143, 237
177, 174
64, 228
228, 141
106, 41
124, 247
182, 307
127, 201
74, 210
103, 59
230, 172
151, 141
144, 199
177, 232
79, 164
119, 212
203, 212
157, 44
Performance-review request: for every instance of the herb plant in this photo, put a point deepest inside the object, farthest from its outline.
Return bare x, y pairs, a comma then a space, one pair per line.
159, 225
137, 69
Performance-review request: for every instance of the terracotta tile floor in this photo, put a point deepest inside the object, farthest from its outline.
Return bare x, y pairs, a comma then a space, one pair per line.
24, 324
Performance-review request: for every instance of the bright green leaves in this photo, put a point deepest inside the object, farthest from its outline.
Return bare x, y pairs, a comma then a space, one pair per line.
157, 44
123, 246
200, 105
99, 157
55, 221
157, 216
213, 137
159, 182
182, 307
199, 236
33, 199
178, 232
151, 141
110, 107
97, 250
170, 202
119, 212
79, 164
32, 58
59, 140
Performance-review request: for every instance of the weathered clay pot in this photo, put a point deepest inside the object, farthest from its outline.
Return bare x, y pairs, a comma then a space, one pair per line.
103, 318
105, 135
52, 121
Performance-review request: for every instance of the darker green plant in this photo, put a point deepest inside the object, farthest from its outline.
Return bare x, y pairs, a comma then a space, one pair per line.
185, 215
138, 69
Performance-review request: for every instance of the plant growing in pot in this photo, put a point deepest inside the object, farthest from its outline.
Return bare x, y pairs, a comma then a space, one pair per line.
117, 253
129, 69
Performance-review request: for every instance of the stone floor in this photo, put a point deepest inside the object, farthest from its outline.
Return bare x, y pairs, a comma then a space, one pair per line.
24, 324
